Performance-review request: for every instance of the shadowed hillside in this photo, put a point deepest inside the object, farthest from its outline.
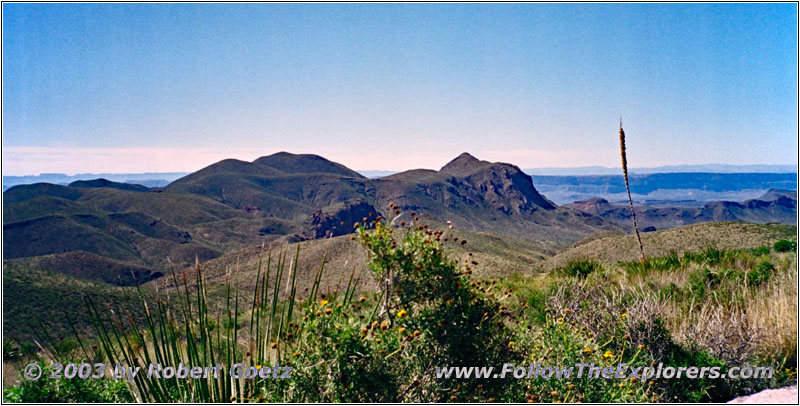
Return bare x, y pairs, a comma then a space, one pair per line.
109, 184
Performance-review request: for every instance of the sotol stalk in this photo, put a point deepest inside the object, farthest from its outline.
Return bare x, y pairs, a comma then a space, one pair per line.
627, 186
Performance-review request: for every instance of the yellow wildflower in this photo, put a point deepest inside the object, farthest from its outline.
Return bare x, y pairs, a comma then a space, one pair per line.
323, 303
608, 354
402, 313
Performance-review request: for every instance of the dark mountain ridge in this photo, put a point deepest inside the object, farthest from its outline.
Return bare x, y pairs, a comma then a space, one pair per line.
233, 204
101, 229
110, 184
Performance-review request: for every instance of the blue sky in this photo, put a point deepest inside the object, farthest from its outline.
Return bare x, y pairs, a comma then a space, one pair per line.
163, 87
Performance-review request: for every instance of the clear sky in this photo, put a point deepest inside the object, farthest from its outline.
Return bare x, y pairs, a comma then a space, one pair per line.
175, 87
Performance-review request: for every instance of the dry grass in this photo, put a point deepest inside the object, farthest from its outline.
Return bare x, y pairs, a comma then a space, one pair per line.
732, 321
773, 310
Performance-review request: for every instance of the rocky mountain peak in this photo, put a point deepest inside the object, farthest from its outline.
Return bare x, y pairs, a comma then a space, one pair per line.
464, 165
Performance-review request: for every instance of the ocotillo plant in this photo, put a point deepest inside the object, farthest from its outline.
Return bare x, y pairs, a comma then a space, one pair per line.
628, 187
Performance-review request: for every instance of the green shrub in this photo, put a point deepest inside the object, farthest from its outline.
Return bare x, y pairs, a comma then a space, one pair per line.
785, 246
65, 346
709, 256
760, 273
670, 291
537, 303
733, 275
580, 268
463, 325
701, 280
759, 251
64, 390
671, 261
712, 255
561, 344
11, 350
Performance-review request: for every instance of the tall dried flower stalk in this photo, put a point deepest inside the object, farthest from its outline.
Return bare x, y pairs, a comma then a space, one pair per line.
627, 185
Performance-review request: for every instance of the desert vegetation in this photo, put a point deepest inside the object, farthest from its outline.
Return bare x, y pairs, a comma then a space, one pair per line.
427, 308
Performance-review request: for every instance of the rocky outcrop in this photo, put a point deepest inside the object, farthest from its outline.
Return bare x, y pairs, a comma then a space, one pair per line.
501, 186
339, 219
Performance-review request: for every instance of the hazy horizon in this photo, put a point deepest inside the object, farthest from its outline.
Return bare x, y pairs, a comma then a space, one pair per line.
58, 158
131, 88
633, 169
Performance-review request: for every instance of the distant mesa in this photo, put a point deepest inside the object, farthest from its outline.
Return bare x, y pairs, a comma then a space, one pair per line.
774, 194
596, 206
775, 206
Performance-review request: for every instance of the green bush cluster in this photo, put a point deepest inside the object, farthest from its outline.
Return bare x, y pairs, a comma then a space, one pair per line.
760, 273
581, 268
75, 390
785, 246
760, 251
429, 313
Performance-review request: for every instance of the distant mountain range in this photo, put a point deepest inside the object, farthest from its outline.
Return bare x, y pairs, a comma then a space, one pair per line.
664, 188
705, 168
775, 206
117, 232
150, 179
604, 170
